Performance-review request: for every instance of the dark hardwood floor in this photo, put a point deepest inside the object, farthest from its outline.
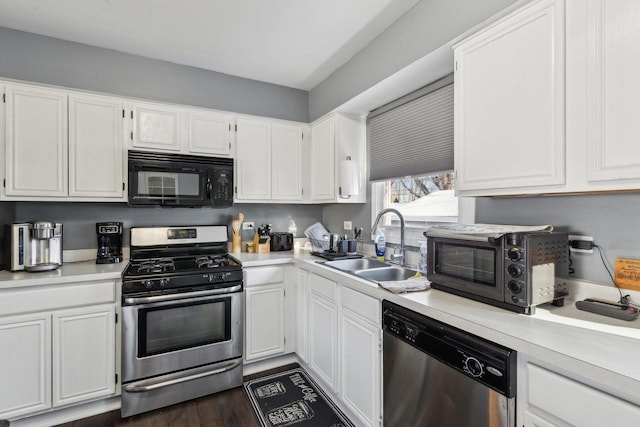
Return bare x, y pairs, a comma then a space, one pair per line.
229, 408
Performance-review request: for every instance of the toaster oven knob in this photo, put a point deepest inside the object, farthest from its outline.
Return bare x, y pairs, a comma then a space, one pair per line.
514, 271
515, 287
514, 254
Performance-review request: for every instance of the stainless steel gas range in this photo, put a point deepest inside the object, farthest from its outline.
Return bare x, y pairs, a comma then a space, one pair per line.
182, 310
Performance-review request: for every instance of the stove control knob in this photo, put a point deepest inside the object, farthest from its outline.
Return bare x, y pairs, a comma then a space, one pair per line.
225, 275
210, 277
163, 282
473, 367
148, 284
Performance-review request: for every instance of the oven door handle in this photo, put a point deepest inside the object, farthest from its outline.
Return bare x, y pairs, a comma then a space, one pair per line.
148, 385
173, 297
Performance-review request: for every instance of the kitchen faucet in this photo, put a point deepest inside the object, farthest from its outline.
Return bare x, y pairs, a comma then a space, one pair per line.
397, 258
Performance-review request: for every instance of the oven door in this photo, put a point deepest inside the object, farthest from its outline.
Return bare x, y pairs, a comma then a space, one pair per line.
467, 267
160, 336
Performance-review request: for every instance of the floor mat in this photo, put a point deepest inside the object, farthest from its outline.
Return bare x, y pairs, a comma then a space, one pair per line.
293, 398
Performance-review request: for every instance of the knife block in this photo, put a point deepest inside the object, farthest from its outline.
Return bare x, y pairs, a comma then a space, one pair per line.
261, 248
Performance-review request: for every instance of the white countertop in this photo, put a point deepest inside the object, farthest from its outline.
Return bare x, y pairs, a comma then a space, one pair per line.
588, 346
84, 271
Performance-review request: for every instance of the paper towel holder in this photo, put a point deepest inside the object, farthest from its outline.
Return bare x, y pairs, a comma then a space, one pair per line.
349, 182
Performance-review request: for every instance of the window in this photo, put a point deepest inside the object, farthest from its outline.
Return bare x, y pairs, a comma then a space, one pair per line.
422, 200
413, 136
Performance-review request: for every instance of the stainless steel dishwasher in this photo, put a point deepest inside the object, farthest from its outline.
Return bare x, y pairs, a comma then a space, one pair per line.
437, 375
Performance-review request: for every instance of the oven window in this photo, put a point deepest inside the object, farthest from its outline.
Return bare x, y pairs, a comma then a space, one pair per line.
157, 184
179, 326
475, 264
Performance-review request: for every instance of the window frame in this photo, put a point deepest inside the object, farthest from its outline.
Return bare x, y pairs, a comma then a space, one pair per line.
466, 214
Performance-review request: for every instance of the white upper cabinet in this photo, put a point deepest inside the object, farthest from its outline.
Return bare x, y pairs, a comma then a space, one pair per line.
286, 162
253, 165
96, 150
323, 161
333, 139
63, 145
209, 133
155, 126
546, 100
269, 161
603, 64
509, 104
36, 142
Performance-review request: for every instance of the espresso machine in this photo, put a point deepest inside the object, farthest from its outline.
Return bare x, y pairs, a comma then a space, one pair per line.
109, 242
35, 246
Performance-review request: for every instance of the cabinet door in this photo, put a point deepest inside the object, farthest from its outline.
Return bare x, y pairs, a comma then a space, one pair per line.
509, 104
323, 329
302, 306
36, 143
25, 364
286, 160
156, 127
323, 161
209, 133
253, 169
612, 92
264, 321
360, 371
95, 146
83, 354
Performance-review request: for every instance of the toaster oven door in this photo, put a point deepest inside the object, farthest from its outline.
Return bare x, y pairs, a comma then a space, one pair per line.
470, 268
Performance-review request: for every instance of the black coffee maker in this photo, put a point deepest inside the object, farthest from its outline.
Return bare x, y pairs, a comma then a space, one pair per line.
109, 242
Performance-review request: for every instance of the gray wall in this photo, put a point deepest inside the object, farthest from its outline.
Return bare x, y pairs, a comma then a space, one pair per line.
613, 220
426, 27
79, 219
30, 57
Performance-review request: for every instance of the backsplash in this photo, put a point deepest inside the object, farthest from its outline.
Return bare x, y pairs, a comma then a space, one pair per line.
79, 219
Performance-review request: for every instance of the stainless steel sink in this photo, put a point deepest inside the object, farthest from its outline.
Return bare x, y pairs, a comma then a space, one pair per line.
351, 265
385, 274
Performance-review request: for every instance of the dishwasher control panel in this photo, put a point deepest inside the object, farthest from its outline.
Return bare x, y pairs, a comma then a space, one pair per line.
476, 357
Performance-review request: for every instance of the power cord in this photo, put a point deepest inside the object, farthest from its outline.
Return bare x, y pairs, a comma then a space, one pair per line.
624, 299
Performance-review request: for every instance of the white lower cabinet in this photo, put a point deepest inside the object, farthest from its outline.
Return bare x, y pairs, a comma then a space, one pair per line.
83, 354
25, 364
302, 314
345, 346
545, 399
56, 356
323, 329
265, 312
361, 351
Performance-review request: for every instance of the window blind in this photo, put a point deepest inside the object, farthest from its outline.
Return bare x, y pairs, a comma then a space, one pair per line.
413, 135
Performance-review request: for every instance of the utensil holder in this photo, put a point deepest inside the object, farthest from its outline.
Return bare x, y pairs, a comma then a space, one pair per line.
236, 244
261, 248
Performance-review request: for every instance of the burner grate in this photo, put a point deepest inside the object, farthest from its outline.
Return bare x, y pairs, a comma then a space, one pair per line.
208, 261
156, 266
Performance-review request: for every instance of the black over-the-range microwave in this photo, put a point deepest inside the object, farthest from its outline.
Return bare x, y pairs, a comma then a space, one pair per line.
177, 180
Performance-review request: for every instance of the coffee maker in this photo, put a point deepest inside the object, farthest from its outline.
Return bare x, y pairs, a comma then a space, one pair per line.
109, 242
35, 246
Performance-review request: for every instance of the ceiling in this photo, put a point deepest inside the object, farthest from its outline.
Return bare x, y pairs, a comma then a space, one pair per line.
294, 43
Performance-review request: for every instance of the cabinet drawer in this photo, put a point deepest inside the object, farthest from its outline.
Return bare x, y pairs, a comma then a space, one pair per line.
255, 276
41, 298
363, 305
323, 286
548, 391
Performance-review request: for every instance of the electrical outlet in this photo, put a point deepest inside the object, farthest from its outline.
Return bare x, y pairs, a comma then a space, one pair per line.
348, 225
581, 238
247, 225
